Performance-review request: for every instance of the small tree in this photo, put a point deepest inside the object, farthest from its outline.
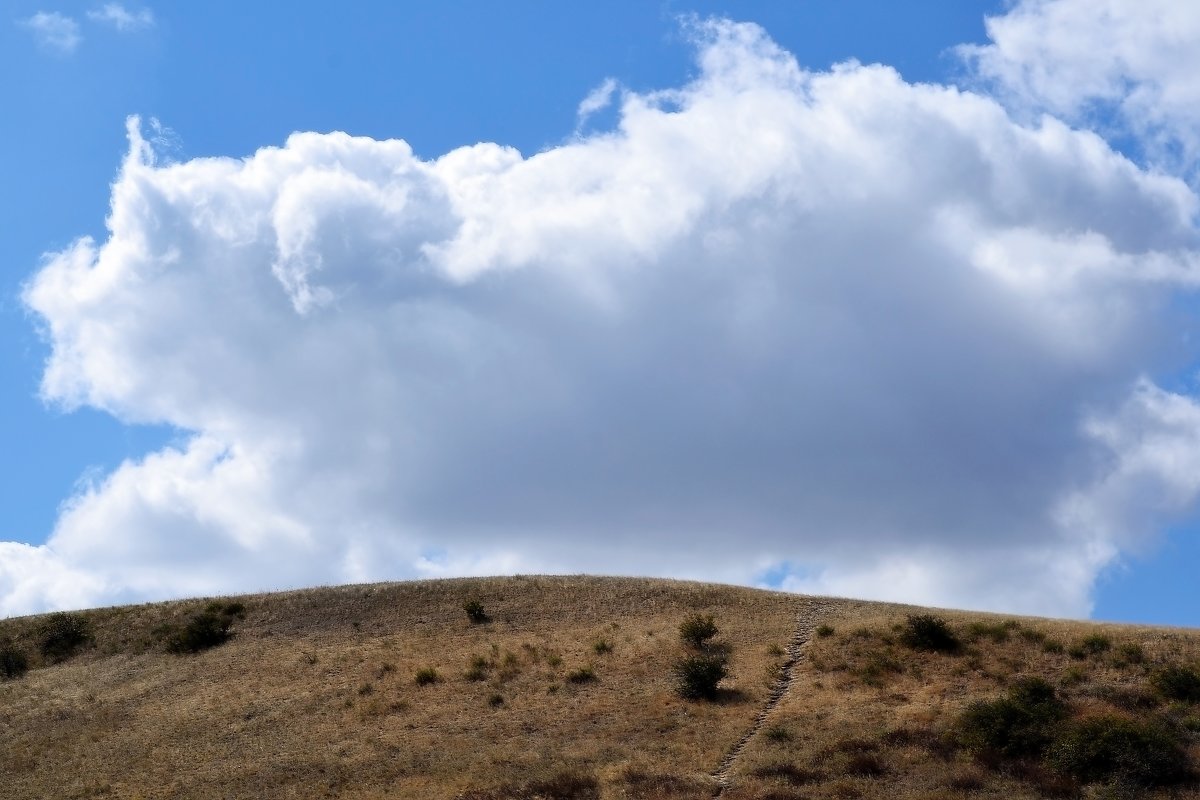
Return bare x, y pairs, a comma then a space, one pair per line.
475, 611
697, 630
698, 676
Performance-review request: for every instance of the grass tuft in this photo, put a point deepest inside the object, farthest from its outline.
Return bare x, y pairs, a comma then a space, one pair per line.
426, 676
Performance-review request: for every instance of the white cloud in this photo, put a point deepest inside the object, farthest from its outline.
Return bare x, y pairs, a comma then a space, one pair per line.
121, 18
597, 100
876, 331
54, 31
1085, 59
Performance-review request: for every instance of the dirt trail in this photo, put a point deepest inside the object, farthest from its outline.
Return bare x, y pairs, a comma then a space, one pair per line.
807, 622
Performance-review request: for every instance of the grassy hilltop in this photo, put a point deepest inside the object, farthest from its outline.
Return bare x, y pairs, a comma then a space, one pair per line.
569, 689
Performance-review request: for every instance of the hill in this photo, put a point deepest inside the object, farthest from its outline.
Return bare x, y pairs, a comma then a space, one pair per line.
566, 688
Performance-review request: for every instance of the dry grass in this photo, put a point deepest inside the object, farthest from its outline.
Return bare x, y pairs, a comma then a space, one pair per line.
868, 717
317, 695
566, 692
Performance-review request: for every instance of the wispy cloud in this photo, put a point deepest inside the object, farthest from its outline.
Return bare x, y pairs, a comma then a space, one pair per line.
122, 18
54, 31
597, 100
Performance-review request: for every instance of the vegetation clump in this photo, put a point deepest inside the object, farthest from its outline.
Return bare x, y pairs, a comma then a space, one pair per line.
478, 669
13, 662
1176, 682
475, 612
998, 632
698, 630
62, 635
582, 675
567, 785
929, 632
207, 629
1018, 725
427, 675
1121, 750
697, 677
1092, 645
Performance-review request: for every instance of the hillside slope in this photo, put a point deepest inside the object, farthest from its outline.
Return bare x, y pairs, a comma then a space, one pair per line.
567, 690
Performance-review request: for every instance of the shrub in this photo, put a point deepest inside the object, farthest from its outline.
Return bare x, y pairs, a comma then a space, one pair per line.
697, 676
996, 631
426, 676
569, 785
62, 634
581, 675
496, 700
1091, 645
1129, 653
824, 631
1109, 747
203, 631
1020, 724
13, 663
475, 611
232, 609
864, 765
927, 632
697, 630
602, 646
478, 669
1176, 682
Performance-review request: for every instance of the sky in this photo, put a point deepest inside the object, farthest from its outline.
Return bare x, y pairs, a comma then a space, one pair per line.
852, 297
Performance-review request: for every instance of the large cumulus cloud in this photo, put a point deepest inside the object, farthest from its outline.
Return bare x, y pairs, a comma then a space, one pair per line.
876, 338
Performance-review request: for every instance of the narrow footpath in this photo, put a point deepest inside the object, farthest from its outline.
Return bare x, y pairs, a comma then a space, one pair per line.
805, 625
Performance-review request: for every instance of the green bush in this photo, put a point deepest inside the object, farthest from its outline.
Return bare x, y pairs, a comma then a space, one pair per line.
1176, 682
1129, 653
697, 677
61, 635
927, 632
475, 611
602, 646
1092, 645
697, 630
998, 632
1119, 749
824, 631
426, 676
582, 675
13, 663
1018, 725
231, 609
203, 631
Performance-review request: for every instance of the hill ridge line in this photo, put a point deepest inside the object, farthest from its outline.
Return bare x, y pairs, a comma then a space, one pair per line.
805, 625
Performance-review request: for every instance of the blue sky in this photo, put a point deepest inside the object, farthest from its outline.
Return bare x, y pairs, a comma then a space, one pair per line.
225, 80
